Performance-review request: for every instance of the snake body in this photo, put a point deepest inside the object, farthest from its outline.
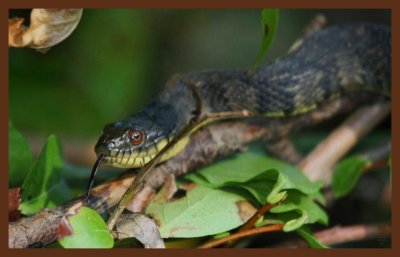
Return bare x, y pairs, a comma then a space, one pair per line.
344, 60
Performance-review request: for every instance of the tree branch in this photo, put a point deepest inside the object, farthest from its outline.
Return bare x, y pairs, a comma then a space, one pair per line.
240, 234
318, 165
340, 234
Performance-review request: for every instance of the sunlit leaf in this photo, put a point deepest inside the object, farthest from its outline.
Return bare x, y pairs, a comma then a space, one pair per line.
268, 180
84, 229
203, 211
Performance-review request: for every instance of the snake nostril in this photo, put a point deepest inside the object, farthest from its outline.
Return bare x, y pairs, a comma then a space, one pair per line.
102, 149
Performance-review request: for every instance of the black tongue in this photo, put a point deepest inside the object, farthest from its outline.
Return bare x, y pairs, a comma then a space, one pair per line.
93, 175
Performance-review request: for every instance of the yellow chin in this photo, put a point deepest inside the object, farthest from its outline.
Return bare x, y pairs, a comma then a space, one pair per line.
140, 161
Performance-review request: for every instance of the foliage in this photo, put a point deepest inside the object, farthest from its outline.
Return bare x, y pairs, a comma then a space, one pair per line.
222, 200
213, 206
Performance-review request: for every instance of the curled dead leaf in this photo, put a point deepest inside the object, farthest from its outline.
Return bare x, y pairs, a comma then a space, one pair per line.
64, 228
16, 29
47, 28
141, 227
14, 199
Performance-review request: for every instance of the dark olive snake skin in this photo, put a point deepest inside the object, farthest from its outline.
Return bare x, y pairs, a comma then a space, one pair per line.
343, 60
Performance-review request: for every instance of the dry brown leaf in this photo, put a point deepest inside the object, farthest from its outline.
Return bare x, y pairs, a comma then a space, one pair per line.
14, 199
141, 227
47, 28
167, 191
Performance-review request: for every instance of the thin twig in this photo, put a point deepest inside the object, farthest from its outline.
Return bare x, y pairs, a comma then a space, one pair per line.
260, 212
252, 221
339, 234
254, 231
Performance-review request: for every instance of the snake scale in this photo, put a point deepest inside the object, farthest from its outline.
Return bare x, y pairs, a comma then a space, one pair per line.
348, 60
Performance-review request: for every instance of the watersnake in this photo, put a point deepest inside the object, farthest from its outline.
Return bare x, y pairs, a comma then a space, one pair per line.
348, 60
341, 60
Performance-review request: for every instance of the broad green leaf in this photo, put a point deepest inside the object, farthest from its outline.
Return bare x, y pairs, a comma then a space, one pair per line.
19, 157
305, 205
268, 180
203, 211
306, 234
270, 19
84, 229
243, 167
44, 186
347, 173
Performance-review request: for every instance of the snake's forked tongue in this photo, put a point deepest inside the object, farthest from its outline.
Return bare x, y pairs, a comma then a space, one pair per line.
93, 175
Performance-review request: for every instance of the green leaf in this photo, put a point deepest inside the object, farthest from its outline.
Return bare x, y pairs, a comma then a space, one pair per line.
270, 19
203, 211
44, 186
280, 180
243, 167
265, 187
306, 234
221, 235
305, 205
84, 229
19, 157
347, 174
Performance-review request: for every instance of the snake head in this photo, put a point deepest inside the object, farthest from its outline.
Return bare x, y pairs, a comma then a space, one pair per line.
131, 143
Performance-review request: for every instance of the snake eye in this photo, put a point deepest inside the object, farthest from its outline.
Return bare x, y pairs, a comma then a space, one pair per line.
135, 136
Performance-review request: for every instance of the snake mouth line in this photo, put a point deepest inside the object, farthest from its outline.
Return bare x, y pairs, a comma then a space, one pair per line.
127, 161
